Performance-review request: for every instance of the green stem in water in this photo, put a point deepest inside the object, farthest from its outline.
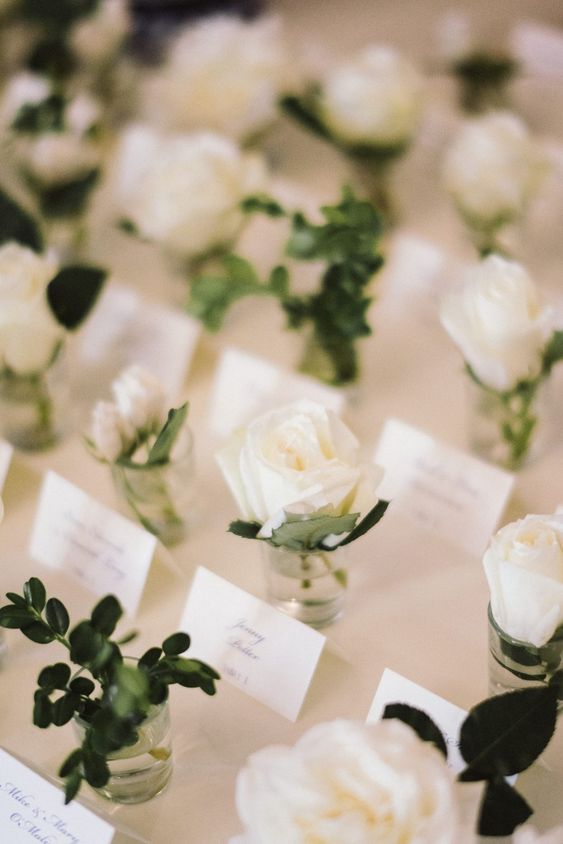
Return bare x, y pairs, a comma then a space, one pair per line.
338, 574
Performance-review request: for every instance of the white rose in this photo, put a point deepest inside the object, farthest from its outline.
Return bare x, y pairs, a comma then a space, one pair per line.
99, 36
82, 114
498, 323
524, 568
373, 100
110, 435
350, 783
57, 157
140, 399
29, 332
492, 169
529, 835
184, 191
301, 458
223, 74
25, 89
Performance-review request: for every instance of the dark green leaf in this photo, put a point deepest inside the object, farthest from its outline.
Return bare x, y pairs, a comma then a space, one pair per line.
73, 293
303, 111
264, 204
82, 686
16, 224
41, 710
553, 352
128, 637
34, 593
63, 709
46, 116
106, 614
57, 13
420, 722
279, 282
176, 644
17, 600
85, 643
160, 452
57, 616
502, 810
211, 296
503, 735
150, 657
158, 692
369, 521
68, 199
71, 762
248, 530
54, 676
15, 617
72, 785
96, 771
38, 632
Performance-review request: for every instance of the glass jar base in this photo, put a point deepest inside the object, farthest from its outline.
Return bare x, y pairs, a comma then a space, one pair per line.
137, 786
316, 614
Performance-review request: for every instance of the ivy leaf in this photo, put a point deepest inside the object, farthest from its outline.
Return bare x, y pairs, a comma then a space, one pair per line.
369, 521
160, 452
73, 293
420, 722
503, 735
57, 616
553, 352
307, 532
263, 203
16, 224
248, 530
106, 614
68, 199
34, 593
176, 644
502, 809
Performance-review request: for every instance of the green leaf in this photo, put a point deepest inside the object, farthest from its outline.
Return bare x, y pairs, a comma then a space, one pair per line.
106, 614
73, 293
158, 692
72, 785
176, 644
95, 767
57, 13
150, 658
279, 282
42, 709
553, 352
211, 296
262, 203
57, 616
46, 116
82, 686
502, 810
68, 199
248, 530
16, 224
160, 452
129, 691
63, 709
420, 722
54, 676
71, 762
17, 600
38, 632
15, 617
302, 110
34, 593
84, 643
503, 735
369, 521
307, 532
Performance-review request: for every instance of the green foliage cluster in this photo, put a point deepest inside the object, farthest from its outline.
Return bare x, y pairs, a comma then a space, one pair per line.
111, 697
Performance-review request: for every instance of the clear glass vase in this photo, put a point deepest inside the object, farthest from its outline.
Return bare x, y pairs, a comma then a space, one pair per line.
142, 770
309, 587
508, 429
34, 408
161, 496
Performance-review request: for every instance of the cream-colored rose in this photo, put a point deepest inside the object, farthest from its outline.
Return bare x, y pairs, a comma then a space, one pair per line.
110, 435
29, 333
222, 74
97, 38
184, 192
140, 399
300, 457
350, 783
524, 568
492, 169
373, 99
82, 114
23, 89
498, 323
58, 157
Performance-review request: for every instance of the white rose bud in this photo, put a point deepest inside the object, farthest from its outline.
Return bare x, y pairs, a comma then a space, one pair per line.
373, 100
140, 399
299, 457
498, 323
99, 36
492, 169
56, 157
347, 782
29, 332
24, 89
185, 191
110, 434
524, 568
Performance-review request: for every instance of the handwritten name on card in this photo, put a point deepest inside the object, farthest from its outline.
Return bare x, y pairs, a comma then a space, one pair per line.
32, 809
99, 547
441, 489
6, 453
246, 386
263, 652
394, 688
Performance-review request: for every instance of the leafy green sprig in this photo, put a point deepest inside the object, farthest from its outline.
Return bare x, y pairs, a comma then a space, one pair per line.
116, 698
347, 242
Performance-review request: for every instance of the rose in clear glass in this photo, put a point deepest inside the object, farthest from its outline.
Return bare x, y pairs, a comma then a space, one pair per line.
140, 399
354, 783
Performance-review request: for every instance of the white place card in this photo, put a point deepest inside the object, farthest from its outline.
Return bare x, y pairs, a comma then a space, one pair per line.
102, 549
6, 454
394, 688
246, 385
441, 489
415, 276
263, 652
126, 329
32, 809
538, 48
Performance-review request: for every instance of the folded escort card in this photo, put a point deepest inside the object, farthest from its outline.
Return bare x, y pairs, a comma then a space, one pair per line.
263, 652
102, 549
6, 453
441, 489
246, 385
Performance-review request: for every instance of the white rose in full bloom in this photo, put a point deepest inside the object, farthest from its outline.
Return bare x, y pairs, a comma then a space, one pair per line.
24, 89
97, 38
29, 332
57, 157
492, 169
184, 191
498, 323
300, 457
373, 100
524, 568
110, 435
222, 74
529, 835
140, 399
350, 783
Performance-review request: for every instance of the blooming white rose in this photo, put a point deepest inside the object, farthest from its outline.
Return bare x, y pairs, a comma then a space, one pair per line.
498, 323
374, 99
97, 37
492, 169
29, 332
57, 157
24, 89
524, 569
350, 783
301, 458
140, 399
223, 74
184, 191
529, 835
110, 434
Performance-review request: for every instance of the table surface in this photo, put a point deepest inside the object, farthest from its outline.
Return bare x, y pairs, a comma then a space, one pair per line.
415, 604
